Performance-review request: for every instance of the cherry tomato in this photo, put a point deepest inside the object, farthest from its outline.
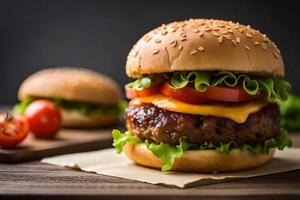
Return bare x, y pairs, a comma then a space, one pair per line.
218, 93
13, 130
44, 118
132, 93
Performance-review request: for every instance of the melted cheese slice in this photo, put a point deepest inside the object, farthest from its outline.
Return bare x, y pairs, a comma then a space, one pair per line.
236, 112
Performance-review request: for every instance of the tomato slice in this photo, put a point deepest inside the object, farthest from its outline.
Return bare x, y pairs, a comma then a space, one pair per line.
228, 94
13, 130
218, 93
132, 93
192, 96
186, 94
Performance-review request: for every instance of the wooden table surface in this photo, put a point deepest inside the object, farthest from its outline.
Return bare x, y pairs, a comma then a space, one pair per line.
35, 180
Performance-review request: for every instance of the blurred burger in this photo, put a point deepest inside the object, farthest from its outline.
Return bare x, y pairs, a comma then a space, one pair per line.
205, 98
84, 97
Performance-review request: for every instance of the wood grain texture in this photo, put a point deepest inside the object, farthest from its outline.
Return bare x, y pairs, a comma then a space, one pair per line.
35, 180
67, 141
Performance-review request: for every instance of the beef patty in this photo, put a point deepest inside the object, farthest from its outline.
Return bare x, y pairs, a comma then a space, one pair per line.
158, 125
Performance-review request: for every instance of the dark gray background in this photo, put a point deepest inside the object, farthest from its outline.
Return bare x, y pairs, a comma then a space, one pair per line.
99, 34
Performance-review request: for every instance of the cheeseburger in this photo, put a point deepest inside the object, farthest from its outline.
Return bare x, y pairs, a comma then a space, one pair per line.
84, 97
205, 98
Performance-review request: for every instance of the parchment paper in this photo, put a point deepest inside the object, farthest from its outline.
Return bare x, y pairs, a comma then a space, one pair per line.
108, 162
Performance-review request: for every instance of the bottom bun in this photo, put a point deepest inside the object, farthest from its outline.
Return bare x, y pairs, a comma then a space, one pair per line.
75, 119
202, 161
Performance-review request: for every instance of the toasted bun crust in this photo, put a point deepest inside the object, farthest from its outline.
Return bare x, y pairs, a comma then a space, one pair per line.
206, 45
74, 119
202, 161
73, 84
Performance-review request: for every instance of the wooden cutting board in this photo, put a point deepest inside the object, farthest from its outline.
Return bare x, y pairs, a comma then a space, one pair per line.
67, 141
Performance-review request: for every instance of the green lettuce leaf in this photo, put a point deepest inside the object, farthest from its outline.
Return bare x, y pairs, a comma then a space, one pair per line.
282, 89
280, 143
120, 139
84, 108
201, 80
283, 140
122, 107
226, 78
225, 148
290, 113
140, 83
250, 86
275, 90
165, 152
20, 107
168, 153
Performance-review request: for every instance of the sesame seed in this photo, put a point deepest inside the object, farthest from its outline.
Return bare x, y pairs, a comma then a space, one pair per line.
201, 48
164, 32
233, 42
224, 32
247, 47
173, 43
173, 29
148, 38
229, 37
256, 43
241, 31
183, 39
264, 46
193, 52
248, 35
136, 53
201, 34
195, 30
274, 45
220, 39
183, 34
238, 40
215, 33
156, 51
157, 40
230, 31
248, 26
180, 47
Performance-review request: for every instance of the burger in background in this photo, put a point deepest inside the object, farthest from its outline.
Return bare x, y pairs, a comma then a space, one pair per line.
85, 98
205, 98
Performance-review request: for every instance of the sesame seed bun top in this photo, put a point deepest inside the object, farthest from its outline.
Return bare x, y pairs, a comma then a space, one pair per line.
206, 45
73, 84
